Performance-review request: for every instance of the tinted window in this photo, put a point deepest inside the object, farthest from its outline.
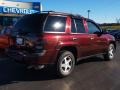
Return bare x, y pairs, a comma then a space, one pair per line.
73, 29
80, 26
55, 24
93, 28
30, 24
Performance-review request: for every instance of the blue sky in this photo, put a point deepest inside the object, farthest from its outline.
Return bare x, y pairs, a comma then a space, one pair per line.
102, 11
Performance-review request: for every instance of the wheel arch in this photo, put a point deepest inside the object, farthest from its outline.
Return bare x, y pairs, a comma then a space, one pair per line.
72, 49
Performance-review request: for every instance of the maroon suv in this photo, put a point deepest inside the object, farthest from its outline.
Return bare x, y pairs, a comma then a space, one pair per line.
59, 39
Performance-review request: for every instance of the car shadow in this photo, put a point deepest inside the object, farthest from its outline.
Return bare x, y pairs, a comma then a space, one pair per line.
11, 72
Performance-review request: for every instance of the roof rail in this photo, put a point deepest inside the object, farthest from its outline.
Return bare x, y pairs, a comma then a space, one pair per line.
55, 12
47, 11
77, 15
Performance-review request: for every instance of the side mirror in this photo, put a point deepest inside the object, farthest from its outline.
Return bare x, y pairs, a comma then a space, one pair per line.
104, 31
99, 33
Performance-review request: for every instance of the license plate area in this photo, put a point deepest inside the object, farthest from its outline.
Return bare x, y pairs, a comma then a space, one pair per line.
19, 41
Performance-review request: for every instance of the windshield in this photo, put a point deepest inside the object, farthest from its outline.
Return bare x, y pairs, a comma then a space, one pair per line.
30, 24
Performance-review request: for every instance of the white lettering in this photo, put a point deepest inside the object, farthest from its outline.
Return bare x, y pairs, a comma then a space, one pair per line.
5, 10
18, 10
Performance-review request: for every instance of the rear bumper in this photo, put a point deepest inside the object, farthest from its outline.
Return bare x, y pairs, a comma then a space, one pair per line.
25, 57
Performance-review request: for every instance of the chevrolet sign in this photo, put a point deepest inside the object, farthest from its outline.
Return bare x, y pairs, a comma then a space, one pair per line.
14, 10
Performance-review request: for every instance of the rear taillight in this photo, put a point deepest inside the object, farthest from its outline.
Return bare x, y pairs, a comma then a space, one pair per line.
29, 44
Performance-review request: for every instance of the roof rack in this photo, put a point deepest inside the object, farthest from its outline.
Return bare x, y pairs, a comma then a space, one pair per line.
47, 11
55, 12
77, 15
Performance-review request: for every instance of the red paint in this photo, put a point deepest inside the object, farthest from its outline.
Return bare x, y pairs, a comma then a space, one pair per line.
55, 42
85, 25
68, 25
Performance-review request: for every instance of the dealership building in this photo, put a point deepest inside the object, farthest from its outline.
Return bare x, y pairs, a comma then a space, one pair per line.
10, 11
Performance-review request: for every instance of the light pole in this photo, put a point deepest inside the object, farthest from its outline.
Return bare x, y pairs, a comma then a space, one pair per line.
88, 13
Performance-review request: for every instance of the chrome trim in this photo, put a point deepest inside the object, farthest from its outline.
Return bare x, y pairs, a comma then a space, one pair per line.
78, 33
53, 32
75, 39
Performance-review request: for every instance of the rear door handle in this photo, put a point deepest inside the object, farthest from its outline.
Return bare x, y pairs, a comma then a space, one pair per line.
92, 38
74, 38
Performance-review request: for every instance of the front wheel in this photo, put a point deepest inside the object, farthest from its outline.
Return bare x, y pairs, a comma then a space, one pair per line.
110, 52
65, 64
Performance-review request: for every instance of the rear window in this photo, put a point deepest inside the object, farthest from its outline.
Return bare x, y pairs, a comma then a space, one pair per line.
55, 24
73, 29
80, 26
30, 24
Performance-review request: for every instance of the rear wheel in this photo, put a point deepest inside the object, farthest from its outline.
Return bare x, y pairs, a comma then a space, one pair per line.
110, 52
65, 64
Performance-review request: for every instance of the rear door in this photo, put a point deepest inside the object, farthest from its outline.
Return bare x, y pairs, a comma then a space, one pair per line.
80, 36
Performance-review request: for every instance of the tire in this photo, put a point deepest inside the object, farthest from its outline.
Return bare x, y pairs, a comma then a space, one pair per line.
110, 52
65, 64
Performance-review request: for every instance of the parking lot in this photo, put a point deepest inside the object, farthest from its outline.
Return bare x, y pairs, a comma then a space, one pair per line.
90, 74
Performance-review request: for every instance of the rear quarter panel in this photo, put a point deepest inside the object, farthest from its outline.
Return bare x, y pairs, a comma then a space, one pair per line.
54, 42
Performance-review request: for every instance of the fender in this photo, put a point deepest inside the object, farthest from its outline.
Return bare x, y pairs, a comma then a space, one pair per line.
66, 44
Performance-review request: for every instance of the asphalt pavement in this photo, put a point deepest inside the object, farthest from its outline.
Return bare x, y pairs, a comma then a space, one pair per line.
89, 74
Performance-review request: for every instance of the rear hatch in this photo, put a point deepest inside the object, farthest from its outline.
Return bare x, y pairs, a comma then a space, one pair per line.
30, 24
28, 30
